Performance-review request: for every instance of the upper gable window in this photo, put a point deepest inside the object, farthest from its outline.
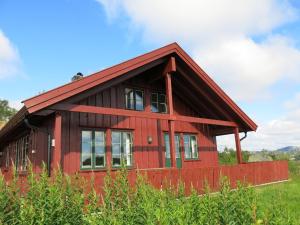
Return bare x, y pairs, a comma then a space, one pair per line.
158, 102
134, 99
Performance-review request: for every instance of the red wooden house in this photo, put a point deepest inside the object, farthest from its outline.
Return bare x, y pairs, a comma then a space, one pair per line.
159, 112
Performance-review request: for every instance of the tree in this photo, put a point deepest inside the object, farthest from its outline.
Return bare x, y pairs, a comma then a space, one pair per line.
6, 112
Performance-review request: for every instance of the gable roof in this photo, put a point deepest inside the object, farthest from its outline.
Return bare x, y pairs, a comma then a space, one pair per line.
61, 93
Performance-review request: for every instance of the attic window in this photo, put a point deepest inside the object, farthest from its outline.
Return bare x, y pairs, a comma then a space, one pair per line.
158, 102
134, 99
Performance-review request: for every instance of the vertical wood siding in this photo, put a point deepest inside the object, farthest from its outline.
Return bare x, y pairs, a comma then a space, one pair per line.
144, 155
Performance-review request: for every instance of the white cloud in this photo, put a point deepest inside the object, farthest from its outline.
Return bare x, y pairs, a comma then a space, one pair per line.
246, 69
281, 132
236, 42
218, 34
10, 62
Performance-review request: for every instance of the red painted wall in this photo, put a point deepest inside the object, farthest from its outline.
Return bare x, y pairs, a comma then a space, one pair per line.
144, 155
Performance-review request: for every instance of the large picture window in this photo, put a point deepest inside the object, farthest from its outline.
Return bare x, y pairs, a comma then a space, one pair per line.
92, 149
158, 102
134, 99
121, 148
190, 146
22, 149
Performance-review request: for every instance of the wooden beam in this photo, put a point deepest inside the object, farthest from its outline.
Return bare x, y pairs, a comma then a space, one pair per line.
170, 67
141, 114
205, 121
238, 145
109, 111
169, 93
57, 137
171, 124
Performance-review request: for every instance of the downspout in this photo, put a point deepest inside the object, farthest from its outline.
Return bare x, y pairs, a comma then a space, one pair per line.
245, 136
30, 126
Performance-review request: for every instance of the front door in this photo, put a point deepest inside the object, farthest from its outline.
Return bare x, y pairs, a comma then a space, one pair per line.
177, 149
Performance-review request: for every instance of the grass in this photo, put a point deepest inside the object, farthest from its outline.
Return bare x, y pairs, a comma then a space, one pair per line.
286, 194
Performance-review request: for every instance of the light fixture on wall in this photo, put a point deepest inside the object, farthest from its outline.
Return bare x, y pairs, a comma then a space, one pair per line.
149, 139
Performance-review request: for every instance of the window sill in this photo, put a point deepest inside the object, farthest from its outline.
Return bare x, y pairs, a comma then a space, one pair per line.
191, 160
120, 167
104, 169
92, 170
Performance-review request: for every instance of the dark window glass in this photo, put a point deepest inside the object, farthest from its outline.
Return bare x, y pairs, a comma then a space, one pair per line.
139, 100
158, 102
134, 99
154, 102
129, 98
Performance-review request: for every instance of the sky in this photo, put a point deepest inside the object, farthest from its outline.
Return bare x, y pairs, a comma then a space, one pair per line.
250, 48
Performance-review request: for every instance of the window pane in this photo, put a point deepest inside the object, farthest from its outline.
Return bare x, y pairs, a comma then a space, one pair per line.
116, 161
86, 160
154, 97
127, 147
154, 107
116, 154
167, 146
99, 148
194, 147
139, 100
187, 151
116, 137
162, 107
121, 148
100, 160
162, 98
129, 98
154, 102
177, 146
86, 148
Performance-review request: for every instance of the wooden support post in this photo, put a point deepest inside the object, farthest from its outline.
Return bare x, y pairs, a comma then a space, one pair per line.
238, 145
57, 137
171, 122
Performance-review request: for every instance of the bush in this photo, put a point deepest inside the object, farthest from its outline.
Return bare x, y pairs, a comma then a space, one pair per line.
62, 200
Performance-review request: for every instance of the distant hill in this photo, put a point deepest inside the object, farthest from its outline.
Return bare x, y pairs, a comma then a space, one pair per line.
289, 149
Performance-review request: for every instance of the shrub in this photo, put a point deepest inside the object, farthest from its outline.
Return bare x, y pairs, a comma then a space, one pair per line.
65, 200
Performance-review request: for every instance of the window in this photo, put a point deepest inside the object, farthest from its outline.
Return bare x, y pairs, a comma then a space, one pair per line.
92, 149
7, 156
22, 149
121, 148
134, 99
190, 146
158, 102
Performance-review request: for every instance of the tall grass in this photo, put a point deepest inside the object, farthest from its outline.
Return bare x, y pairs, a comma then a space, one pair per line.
66, 199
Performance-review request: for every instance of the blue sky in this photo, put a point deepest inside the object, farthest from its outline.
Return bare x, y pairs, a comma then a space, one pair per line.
251, 50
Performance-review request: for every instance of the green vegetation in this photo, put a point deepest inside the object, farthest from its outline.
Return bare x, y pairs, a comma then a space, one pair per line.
285, 195
6, 112
228, 156
71, 200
